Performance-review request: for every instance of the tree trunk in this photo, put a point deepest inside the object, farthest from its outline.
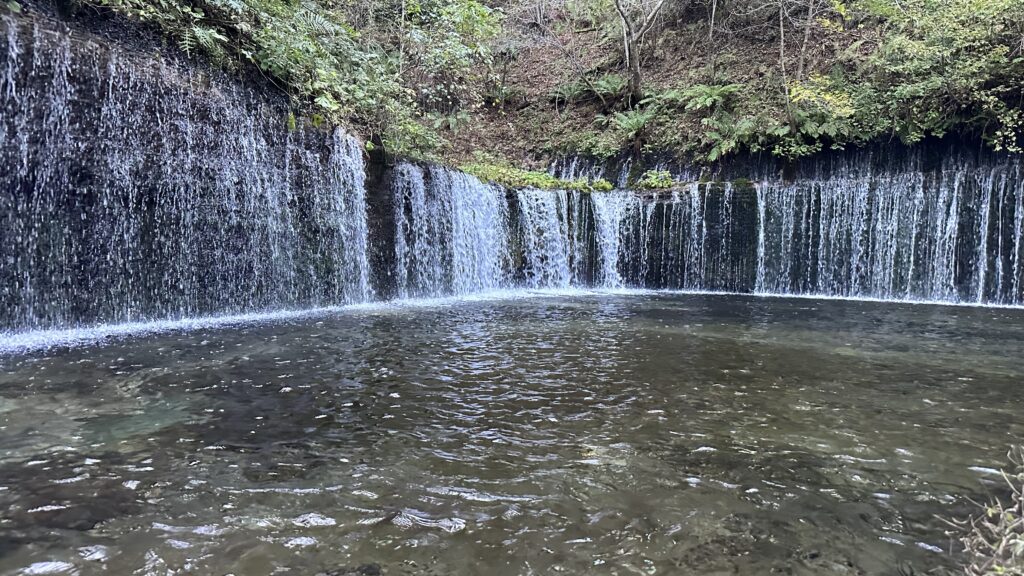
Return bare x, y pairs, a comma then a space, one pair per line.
782, 64
631, 36
629, 47
401, 44
812, 5
636, 91
711, 27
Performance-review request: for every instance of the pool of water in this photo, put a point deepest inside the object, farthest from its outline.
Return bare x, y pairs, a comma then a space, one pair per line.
578, 434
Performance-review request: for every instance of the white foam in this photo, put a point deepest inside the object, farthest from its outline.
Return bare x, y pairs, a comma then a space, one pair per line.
34, 340
313, 519
300, 542
833, 297
13, 343
48, 568
984, 470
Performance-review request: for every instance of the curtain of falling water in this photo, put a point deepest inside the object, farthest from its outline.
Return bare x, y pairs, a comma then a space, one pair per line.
683, 239
451, 232
134, 190
611, 211
948, 233
547, 242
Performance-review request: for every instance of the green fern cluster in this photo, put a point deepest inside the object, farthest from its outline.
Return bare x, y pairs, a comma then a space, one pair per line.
408, 73
698, 97
608, 89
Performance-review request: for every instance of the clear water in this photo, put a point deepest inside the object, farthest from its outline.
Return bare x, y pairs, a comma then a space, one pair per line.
629, 433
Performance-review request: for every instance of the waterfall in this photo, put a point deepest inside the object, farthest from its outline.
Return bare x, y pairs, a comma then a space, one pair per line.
681, 239
137, 190
611, 211
1018, 240
582, 240
140, 189
946, 233
949, 234
545, 238
952, 235
451, 232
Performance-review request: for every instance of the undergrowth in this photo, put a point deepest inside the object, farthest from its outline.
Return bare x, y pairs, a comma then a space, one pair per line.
511, 177
994, 540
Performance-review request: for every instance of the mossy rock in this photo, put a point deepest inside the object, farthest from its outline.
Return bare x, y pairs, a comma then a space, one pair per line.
518, 178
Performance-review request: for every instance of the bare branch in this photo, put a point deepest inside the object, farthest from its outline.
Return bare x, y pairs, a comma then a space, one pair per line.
651, 17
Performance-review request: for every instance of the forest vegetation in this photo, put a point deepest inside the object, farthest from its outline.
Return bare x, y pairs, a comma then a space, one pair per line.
526, 80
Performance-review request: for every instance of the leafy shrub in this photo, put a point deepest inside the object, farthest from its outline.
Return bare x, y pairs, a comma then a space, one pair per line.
607, 88
631, 126
912, 69
632, 123
432, 58
568, 93
946, 64
697, 97
407, 72
449, 52
709, 97
655, 180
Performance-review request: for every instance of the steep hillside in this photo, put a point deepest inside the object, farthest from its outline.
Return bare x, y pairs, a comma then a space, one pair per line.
789, 78
516, 82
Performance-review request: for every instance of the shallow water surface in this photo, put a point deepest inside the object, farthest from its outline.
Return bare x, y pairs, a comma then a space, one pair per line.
589, 434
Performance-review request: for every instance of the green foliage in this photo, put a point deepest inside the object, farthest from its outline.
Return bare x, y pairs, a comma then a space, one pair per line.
568, 93
517, 178
449, 54
599, 144
700, 96
630, 126
725, 135
909, 69
610, 87
941, 65
430, 59
410, 73
946, 64
655, 180
451, 122
712, 107
631, 123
